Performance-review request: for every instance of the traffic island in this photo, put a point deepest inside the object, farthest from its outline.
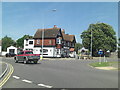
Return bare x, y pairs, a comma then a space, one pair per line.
105, 65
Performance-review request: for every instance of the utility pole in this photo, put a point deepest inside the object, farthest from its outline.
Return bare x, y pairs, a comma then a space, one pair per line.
91, 39
53, 10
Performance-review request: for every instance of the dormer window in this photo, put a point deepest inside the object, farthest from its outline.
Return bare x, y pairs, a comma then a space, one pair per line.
38, 41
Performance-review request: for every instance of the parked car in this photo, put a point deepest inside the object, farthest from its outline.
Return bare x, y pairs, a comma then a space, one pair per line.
10, 54
26, 57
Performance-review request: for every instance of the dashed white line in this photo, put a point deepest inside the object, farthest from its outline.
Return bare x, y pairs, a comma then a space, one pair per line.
16, 77
27, 81
43, 85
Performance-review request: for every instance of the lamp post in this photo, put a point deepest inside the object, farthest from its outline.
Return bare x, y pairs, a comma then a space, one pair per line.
91, 39
42, 41
53, 10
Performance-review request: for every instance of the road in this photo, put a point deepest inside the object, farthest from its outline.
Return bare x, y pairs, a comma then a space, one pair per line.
2, 67
60, 74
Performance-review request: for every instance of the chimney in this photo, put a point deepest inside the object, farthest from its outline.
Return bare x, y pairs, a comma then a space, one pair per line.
55, 26
63, 31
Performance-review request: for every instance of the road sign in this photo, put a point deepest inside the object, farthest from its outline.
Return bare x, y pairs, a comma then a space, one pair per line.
100, 52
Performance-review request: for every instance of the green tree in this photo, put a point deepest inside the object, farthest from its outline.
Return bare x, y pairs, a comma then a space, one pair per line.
119, 48
103, 37
78, 46
20, 41
6, 42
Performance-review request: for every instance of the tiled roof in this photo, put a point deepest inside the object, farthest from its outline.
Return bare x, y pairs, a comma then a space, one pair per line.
67, 37
48, 33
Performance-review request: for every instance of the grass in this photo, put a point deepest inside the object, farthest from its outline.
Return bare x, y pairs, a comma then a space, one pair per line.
103, 64
115, 64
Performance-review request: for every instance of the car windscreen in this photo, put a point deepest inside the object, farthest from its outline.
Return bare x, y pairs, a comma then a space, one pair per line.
28, 52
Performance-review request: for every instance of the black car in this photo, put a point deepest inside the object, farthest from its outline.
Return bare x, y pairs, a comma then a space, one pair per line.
10, 54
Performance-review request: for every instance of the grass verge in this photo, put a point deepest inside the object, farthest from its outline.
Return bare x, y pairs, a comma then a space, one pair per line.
103, 64
114, 64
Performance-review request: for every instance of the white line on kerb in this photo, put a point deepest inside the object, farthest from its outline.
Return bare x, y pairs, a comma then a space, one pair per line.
43, 85
27, 81
16, 77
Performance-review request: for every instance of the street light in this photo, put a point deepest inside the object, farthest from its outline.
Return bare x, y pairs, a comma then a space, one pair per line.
43, 32
91, 39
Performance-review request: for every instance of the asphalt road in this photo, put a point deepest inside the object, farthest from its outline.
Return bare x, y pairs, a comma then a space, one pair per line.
60, 74
2, 67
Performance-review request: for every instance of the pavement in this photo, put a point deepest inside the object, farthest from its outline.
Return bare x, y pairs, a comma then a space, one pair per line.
60, 74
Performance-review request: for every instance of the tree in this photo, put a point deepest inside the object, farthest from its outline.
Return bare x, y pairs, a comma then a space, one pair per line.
103, 37
6, 42
77, 47
20, 41
119, 48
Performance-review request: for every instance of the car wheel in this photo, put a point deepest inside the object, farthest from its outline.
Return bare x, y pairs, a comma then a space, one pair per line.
35, 62
25, 60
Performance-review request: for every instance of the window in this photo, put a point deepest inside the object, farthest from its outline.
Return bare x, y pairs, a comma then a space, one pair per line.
64, 43
38, 41
30, 42
30, 49
50, 41
68, 43
57, 51
44, 50
28, 52
20, 53
58, 41
72, 44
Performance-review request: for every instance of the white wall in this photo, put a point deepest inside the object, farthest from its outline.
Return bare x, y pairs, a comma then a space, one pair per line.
51, 51
3, 53
0, 49
27, 45
12, 47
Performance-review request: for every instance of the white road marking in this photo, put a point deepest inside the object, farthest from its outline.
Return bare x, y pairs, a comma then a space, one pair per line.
16, 77
27, 81
43, 85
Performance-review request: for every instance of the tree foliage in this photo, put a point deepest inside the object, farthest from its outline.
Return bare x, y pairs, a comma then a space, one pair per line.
103, 37
6, 42
20, 41
119, 48
78, 46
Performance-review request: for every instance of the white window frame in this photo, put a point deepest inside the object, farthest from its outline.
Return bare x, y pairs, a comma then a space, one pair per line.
38, 41
50, 41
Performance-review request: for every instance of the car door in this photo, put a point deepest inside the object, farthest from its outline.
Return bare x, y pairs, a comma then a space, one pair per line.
20, 55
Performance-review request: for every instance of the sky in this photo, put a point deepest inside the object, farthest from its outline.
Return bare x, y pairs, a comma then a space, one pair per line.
20, 18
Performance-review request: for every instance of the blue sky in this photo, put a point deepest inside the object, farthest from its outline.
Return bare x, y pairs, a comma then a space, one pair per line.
20, 18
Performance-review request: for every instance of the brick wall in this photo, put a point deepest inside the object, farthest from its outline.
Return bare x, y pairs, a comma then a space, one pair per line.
47, 42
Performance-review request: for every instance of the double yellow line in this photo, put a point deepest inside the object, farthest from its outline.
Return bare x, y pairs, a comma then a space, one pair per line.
11, 69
